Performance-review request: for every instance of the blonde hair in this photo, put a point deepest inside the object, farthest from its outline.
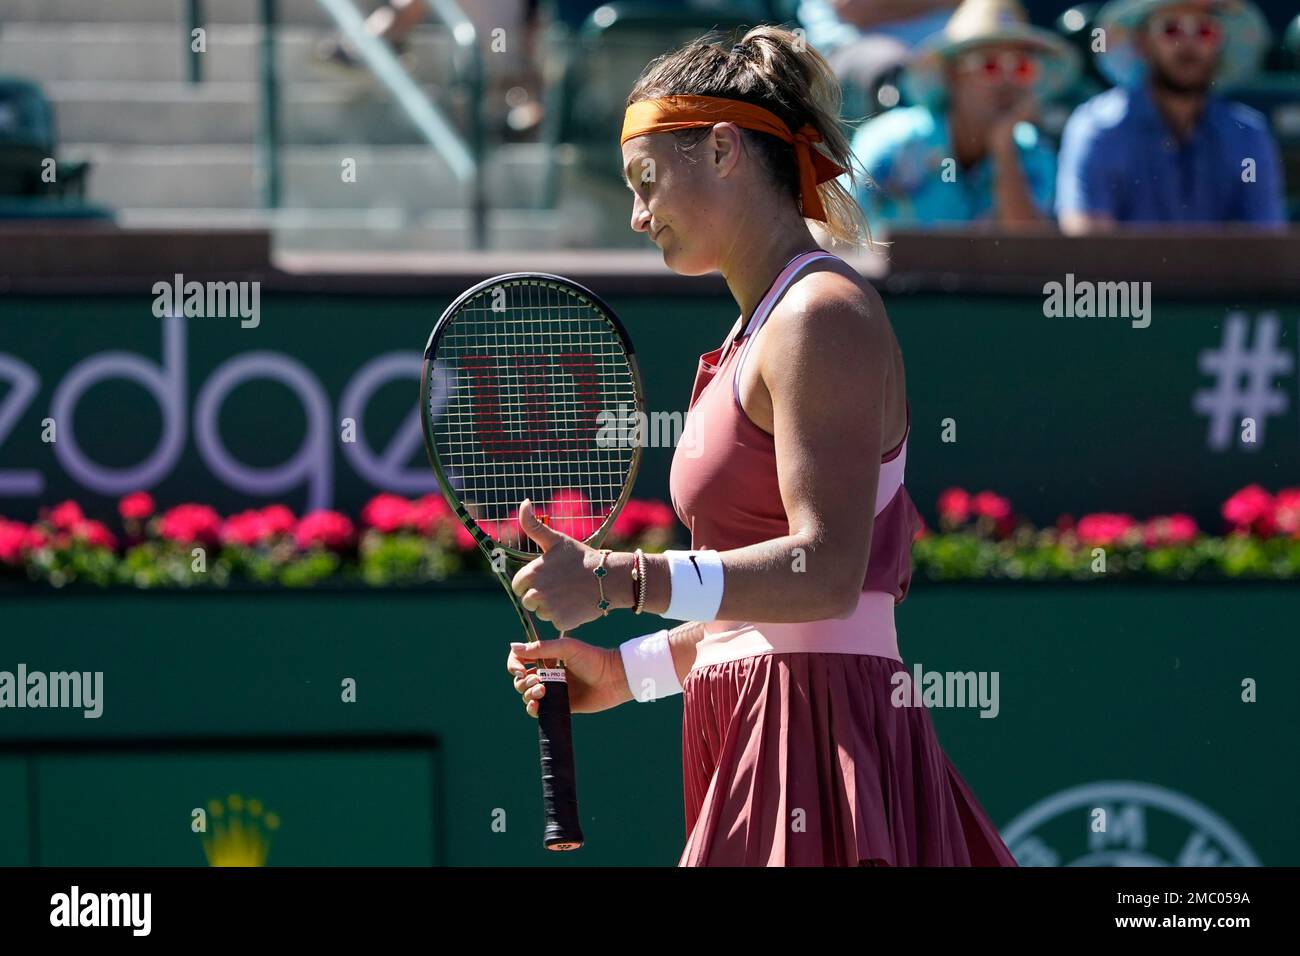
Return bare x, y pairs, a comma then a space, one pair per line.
779, 71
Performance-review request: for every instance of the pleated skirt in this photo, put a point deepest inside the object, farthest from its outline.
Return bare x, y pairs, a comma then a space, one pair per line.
802, 760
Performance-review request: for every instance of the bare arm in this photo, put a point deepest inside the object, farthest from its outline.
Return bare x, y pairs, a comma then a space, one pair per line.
1013, 198
825, 358
1085, 224
1011, 194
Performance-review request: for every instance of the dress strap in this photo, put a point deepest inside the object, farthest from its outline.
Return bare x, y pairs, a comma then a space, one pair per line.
765, 307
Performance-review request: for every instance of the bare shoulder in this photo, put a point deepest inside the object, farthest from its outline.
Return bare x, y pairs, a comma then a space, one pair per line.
832, 306
830, 344
829, 347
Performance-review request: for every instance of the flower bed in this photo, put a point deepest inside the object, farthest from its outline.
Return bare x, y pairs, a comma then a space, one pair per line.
980, 538
396, 541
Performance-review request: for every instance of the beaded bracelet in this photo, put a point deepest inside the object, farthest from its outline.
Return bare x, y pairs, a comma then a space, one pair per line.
638, 580
600, 571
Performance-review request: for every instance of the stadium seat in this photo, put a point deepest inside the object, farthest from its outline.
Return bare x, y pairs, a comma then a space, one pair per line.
27, 142
1291, 44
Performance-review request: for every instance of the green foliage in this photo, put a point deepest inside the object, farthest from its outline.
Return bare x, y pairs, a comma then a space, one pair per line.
1048, 555
977, 549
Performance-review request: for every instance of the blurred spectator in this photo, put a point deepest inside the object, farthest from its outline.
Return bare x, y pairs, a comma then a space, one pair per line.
392, 22
968, 151
863, 40
1163, 146
515, 75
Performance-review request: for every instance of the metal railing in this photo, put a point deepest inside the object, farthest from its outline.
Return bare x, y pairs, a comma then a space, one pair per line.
268, 140
463, 154
194, 21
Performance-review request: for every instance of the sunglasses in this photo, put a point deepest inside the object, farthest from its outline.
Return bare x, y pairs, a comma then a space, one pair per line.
1012, 66
1187, 26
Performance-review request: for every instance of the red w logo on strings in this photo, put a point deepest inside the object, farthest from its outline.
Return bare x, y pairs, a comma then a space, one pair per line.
531, 404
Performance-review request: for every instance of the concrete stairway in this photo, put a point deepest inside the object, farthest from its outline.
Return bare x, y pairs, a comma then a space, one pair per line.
169, 152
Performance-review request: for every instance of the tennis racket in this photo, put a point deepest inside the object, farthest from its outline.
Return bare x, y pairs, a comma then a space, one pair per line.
516, 375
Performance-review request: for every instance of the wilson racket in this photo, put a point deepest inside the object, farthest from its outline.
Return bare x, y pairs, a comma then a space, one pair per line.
517, 374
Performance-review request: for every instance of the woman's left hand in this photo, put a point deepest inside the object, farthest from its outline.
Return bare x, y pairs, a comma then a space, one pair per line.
559, 586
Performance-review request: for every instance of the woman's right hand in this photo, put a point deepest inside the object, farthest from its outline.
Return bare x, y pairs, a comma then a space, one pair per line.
595, 675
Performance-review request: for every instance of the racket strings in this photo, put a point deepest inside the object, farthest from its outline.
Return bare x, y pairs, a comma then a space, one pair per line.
538, 402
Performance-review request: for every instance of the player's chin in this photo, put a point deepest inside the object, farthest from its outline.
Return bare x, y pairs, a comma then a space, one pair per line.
685, 265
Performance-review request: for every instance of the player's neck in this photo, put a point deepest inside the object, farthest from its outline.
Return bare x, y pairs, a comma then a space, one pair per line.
759, 253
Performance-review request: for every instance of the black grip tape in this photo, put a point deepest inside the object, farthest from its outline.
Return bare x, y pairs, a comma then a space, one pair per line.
559, 781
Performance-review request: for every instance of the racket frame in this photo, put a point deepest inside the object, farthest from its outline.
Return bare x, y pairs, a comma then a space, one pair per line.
517, 557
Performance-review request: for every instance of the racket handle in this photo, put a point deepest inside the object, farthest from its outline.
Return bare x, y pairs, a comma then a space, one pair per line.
559, 780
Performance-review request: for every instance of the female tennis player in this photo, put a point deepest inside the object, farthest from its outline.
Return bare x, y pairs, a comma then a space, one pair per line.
800, 746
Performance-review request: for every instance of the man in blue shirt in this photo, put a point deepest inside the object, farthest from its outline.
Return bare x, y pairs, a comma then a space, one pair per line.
967, 151
1162, 146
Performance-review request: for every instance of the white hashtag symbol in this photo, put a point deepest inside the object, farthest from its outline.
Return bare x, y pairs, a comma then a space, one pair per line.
1243, 380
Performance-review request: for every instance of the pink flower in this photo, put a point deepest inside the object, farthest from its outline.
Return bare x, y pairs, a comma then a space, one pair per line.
191, 524
954, 506
660, 515
1250, 509
95, 534
327, 529
136, 506
1102, 530
13, 541
632, 520
639, 516
277, 519
386, 513
572, 513
35, 539
505, 532
1169, 529
1286, 511
245, 529
988, 505
428, 514
65, 516
464, 540
251, 528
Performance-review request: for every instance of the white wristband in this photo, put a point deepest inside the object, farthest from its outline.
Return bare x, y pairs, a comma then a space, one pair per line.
696, 578
648, 663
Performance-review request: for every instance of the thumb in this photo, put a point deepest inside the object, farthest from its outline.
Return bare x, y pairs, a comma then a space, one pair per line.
531, 525
558, 649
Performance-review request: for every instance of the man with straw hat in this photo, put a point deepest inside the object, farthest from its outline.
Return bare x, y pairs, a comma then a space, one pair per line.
1164, 146
967, 151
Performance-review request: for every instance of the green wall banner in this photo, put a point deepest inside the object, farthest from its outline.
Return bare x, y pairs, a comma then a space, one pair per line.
1162, 711
315, 404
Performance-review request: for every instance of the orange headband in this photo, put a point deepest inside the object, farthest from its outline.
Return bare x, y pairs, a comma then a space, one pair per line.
669, 113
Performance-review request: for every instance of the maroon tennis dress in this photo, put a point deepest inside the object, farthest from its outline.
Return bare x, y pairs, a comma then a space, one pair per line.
792, 752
